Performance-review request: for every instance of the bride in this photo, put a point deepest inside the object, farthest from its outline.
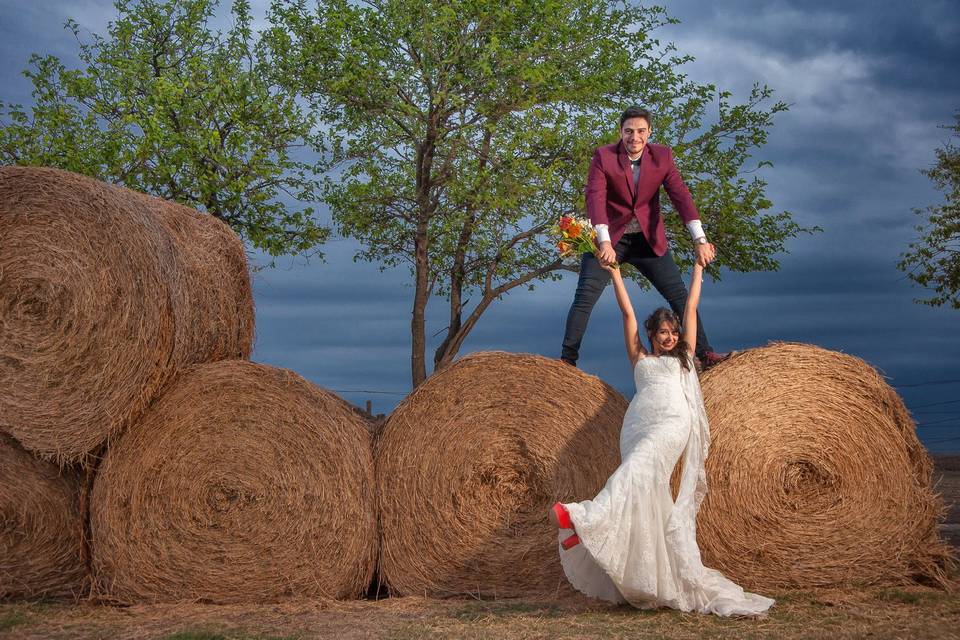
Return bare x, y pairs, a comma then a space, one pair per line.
632, 542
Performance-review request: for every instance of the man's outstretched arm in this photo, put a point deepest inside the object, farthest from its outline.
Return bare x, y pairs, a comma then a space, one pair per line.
596, 198
682, 201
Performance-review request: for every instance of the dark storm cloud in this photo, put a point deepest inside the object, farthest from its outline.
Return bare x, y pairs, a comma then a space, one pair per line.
38, 27
859, 65
913, 44
341, 324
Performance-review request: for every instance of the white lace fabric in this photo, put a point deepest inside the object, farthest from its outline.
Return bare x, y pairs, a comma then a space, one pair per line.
638, 545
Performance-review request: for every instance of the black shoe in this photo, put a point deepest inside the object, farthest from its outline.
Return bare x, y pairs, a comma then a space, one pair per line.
710, 359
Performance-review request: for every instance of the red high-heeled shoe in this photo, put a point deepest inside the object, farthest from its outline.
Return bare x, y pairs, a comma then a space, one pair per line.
561, 516
571, 542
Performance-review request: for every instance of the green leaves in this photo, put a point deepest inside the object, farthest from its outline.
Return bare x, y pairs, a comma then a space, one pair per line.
933, 261
464, 127
168, 106
453, 132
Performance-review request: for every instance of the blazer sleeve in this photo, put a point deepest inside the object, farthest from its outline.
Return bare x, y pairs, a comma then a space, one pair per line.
678, 192
596, 191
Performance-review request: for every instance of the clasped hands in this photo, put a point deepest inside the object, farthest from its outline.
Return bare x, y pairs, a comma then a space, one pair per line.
704, 254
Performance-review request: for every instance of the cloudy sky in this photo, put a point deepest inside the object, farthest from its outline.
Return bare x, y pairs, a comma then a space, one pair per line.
868, 83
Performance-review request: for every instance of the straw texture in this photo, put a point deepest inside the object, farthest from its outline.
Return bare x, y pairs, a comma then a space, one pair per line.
242, 483
816, 475
40, 527
105, 294
469, 463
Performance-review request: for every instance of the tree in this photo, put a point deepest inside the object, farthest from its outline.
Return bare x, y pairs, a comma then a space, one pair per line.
933, 261
463, 129
167, 106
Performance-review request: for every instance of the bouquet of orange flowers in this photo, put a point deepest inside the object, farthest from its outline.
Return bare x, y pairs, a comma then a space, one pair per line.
575, 237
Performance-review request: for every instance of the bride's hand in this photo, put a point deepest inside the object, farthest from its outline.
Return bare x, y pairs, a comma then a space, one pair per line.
610, 268
704, 253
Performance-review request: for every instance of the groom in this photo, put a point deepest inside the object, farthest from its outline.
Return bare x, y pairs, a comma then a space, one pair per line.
623, 203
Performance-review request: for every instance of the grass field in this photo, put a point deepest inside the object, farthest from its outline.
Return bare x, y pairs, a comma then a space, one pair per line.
913, 612
876, 613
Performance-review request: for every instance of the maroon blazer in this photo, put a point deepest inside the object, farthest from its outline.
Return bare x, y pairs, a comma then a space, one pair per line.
612, 199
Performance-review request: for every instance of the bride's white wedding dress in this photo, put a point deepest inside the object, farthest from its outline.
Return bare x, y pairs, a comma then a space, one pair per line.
636, 544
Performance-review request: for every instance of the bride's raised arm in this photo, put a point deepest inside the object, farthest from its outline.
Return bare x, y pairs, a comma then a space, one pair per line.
690, 310
631, 335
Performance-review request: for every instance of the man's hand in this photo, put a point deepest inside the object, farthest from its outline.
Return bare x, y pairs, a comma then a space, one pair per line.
605, 254
705, 253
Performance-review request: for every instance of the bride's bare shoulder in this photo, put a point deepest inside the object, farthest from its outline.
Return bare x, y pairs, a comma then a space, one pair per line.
640, 357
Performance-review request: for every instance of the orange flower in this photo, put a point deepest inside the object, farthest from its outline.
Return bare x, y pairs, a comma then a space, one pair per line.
563, 247
573, 231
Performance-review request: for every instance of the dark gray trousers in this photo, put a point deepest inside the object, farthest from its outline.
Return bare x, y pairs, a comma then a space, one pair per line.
661, 271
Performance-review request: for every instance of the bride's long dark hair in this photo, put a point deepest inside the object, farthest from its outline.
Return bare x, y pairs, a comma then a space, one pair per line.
680, 350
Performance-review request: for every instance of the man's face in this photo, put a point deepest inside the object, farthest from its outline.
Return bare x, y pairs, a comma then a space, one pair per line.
634, 133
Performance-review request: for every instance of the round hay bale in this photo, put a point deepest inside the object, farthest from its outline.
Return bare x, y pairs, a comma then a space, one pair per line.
241, 483
105, 294
469, 464
816, 476
212, 295
41, 527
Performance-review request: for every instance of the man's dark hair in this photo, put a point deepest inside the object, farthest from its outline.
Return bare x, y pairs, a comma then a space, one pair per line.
636, 112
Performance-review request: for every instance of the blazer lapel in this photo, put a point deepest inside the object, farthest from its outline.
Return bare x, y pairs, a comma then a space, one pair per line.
626, 169
648, 175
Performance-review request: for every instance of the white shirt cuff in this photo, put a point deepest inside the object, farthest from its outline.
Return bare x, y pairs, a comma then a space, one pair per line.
695, 227
603, 233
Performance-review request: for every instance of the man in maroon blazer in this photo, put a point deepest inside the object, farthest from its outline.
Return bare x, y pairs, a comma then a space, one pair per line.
623, 203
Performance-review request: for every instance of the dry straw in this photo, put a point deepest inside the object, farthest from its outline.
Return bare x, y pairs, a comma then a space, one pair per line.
40, 527
105, 294
241, 483
468, 465
816, 475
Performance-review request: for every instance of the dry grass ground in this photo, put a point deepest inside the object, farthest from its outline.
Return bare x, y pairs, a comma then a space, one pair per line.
883, 613
905, 612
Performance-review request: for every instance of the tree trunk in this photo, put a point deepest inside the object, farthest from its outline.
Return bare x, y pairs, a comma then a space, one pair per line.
418, 365
451, 346
421, 256
451, 343
440, 358
456, 337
